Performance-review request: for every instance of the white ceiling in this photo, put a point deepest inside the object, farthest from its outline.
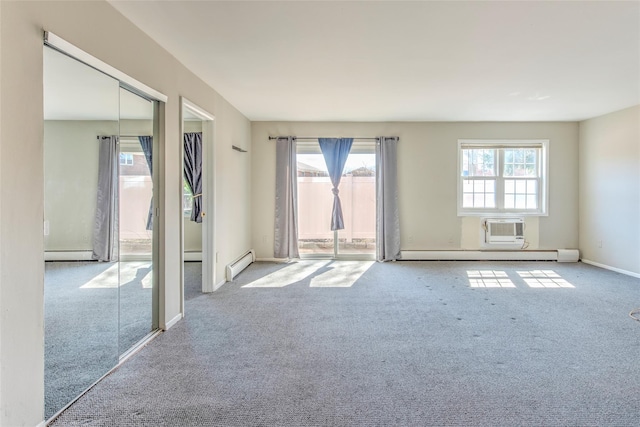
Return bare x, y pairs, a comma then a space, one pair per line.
405, 61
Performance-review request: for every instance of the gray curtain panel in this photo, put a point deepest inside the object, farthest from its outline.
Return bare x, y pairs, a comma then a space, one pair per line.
286, 215
146, 142
193, 171
105, 227
335, 152
387, 215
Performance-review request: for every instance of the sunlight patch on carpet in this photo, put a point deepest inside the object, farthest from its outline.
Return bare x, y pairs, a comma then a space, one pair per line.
341, 274
489, 279
544, 279
288, 275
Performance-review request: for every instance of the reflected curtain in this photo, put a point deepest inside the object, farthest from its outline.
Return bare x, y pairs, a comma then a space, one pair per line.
387, 215
286, 214
146, 142
335, 152
105, 227
193, 171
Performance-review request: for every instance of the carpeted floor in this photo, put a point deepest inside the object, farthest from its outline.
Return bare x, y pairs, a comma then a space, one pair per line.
395, 344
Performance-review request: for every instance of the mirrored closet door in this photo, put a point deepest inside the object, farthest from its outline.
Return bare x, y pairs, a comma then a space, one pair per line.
136, 207
100, 292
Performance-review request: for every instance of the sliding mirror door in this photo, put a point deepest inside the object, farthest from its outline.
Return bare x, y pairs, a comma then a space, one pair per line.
101, 293
80, 227
136, 219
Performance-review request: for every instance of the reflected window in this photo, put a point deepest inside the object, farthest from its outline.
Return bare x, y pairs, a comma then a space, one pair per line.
126, 159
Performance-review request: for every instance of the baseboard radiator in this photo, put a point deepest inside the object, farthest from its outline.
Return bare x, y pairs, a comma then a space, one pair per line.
561, 255
240, 264
68, 255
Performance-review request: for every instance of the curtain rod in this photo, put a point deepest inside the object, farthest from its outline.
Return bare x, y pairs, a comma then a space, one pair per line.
362, 138
124, 136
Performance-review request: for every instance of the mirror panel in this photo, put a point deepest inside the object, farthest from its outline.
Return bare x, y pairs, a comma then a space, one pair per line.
81, 294
136, 219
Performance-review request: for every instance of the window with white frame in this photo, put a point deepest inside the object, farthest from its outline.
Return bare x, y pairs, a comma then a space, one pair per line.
502, 177
126, 159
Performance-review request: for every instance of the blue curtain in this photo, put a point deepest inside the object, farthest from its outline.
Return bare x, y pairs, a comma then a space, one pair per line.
193, 171
146, 142
335, 152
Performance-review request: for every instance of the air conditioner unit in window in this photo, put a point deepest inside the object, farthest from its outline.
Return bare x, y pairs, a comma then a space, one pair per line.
504, 230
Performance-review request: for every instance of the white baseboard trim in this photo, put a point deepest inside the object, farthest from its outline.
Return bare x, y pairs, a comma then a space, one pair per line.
193, 256
42, 424
463, 255
608, 267
278, 260
68, 255
172, 322
218, 285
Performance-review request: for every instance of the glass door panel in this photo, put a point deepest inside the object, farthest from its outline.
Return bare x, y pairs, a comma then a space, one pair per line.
358, 199
315, 203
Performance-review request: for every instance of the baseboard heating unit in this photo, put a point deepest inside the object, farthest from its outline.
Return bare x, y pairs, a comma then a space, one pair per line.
477, 255
240, 264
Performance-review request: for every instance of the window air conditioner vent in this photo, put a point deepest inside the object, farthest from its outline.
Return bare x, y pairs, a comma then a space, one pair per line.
504, 230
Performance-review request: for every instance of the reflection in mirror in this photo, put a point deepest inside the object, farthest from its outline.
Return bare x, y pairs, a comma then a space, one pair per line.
136, 219
81, 293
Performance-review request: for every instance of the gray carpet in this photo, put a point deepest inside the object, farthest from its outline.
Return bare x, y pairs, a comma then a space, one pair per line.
407, 344
89, 322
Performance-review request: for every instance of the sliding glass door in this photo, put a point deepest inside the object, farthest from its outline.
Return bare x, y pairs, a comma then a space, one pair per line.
315, 201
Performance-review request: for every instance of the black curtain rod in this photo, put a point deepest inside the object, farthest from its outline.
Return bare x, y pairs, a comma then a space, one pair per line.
367, 138
123, 136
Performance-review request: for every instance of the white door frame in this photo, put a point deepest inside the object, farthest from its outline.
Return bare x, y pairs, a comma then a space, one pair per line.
208, 198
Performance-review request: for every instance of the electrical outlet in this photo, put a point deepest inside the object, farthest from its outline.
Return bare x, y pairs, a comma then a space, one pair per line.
599, 243
264, 239
46, 228
410, 239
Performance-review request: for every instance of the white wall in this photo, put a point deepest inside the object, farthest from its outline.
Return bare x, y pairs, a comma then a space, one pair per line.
71, 179
610, 190
427, 168
89, 25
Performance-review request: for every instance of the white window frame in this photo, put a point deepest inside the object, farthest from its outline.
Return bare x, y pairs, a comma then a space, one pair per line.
128, 159
498, 145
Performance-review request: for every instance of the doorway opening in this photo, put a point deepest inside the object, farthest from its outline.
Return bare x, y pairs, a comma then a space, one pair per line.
198, 200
